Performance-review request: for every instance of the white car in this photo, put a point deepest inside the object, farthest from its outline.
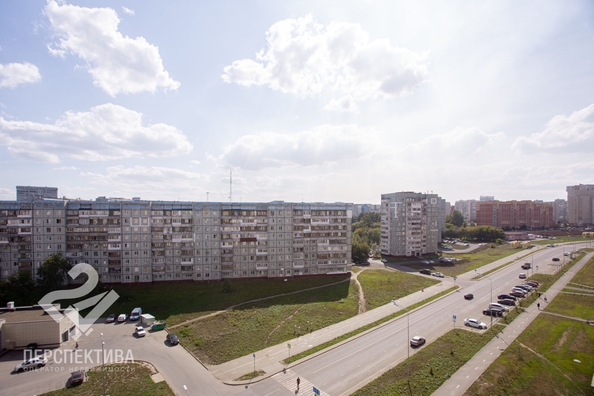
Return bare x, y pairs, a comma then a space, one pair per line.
475, 323
417, 341
30, 364
140, 331
438, 274
122, 318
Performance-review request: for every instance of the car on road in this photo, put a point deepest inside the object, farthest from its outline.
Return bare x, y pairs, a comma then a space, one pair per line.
493, 312
417, 341
468, 296
31, 364
77, 377
477, 324
517, 293
526, 266
384, 261
566, 254
506, 301
172, 339
425, 271
438, 274
139, 331
522, 275
122, 318
506, 297
111, 318
556, 259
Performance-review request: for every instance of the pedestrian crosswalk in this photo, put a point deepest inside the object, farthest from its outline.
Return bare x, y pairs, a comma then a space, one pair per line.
288, 379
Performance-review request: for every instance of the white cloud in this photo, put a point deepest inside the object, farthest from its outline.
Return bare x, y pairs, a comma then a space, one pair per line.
127, 10
458, 143
105, 132
66, 168
195, 162
563, 134
117, 63
305, 57
344, 104
13, 74
319, 146
151, 182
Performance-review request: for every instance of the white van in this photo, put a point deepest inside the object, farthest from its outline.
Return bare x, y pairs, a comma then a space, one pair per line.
136, 312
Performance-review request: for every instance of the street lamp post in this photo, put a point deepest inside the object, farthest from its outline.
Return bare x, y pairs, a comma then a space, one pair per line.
103, 363
491, 301
408, 344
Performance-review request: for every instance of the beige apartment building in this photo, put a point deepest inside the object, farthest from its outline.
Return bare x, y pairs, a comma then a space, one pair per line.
580, 205
412, 223
136, 241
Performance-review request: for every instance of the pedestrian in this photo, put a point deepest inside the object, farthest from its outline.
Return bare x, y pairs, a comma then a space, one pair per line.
298, 382
538, 305
422, 289
76, 346
545, 298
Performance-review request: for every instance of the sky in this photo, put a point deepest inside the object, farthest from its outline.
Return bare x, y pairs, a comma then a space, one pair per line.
298, 100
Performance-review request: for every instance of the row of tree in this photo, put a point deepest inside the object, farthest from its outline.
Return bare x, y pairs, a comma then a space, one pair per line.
366, 236
456, 227
23, 289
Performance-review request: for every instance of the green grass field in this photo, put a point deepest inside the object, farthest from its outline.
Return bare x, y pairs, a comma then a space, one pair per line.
129, 379
381, 287
257, 325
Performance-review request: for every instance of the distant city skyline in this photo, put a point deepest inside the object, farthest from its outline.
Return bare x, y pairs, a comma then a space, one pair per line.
303, 101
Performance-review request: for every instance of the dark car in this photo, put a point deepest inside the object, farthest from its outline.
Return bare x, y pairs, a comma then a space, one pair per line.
506, 297
531, 283
518, 294
493, 312
111, 318
468, 296
507, 302
425, 271
526, 266
555, 258
77, 378
172, 339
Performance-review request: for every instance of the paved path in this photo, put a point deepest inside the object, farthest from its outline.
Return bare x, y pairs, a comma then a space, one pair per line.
458, 383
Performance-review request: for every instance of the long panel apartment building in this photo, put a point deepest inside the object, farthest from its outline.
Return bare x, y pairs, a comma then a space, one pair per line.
514, 215
411, 223
135, 241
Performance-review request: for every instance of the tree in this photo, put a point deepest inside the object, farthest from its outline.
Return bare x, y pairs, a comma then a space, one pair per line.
53, 273
19, 287
360, 251
456, 218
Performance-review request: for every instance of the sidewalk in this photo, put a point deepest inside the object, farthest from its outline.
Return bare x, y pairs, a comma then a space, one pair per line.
269, 359
458, 383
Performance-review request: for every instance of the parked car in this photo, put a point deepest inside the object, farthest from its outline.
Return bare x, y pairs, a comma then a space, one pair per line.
506, 296
506, 301
31, 364
556, 259
425, 262
468, 296
111, 318
172, 339
531, 283
517, 293
122, 318
140, 331
475, 323
135, 315
425, 271
77, 377
493, 312
498, 306
522, 275
438, 274
417, 341
524, 287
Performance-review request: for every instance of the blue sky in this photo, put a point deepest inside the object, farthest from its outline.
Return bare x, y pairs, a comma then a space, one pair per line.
302, 100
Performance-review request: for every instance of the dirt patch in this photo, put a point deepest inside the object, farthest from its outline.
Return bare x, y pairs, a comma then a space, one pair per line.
560, 342
581, 343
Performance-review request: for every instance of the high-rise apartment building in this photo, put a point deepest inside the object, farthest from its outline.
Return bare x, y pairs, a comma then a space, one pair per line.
29, 193
580, 205
412, 223
135, 241
484, 198
467, 208
559, 211
515, 215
